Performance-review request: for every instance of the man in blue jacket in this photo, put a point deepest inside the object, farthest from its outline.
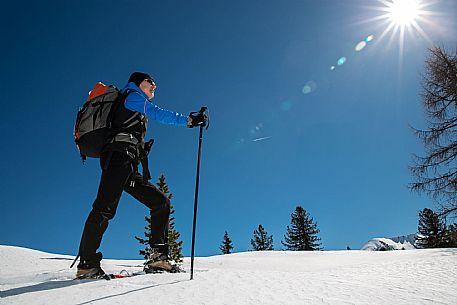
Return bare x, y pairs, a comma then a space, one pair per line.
119, 162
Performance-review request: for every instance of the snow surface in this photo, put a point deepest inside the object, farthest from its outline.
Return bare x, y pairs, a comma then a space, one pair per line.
274, 277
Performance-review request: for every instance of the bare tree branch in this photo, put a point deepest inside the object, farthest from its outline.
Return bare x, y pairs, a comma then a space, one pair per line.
435, 174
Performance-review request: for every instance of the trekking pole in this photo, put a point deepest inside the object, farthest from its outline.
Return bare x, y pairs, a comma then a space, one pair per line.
197, 180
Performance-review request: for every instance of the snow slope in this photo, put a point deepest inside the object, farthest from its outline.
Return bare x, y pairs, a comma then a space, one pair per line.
326, 277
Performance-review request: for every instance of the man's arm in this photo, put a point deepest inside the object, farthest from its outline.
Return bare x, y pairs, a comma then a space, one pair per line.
136, 102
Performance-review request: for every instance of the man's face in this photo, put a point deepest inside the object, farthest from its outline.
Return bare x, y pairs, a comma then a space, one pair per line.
148, 87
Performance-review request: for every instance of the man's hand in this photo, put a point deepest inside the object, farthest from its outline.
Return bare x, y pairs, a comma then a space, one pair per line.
197, 119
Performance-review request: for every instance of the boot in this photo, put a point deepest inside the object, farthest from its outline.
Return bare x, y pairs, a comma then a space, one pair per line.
90, 268
95, 273
159, 262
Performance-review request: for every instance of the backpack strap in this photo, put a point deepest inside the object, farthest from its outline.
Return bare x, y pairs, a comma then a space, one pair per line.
132, 121
123, 134
120, 99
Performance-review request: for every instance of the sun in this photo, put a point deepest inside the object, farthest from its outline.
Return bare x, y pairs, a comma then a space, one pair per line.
403, 17
403, 12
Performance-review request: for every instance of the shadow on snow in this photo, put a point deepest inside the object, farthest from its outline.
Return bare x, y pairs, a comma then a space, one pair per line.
66, 283
131, 291
38, 287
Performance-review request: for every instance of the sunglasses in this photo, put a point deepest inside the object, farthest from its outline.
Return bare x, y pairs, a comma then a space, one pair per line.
150, 81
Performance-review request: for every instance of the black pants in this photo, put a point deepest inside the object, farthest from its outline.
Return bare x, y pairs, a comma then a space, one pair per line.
117, 170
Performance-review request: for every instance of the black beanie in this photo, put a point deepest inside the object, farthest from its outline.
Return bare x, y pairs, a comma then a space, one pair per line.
138, 77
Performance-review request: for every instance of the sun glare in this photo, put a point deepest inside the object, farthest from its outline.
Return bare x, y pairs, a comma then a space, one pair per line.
402, 18
404, 15
403, 12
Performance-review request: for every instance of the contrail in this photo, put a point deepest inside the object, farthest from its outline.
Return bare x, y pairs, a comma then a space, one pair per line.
261, 139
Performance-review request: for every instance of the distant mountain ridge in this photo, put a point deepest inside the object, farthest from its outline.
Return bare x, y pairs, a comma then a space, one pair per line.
411, 238
405, 242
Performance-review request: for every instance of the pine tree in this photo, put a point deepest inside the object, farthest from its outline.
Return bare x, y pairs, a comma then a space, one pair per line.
226, 247
146, 253
175, 246
302, 234
431, 230
451, 236
261, 240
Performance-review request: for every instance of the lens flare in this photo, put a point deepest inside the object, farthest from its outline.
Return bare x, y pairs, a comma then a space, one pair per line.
306, 89
309, 87
360, 46
256, 129
342, 61
332, 68
369, 38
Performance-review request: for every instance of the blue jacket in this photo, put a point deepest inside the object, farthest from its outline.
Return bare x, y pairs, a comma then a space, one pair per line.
138, 101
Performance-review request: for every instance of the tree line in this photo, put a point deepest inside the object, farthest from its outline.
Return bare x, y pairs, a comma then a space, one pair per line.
301, 235
432, 232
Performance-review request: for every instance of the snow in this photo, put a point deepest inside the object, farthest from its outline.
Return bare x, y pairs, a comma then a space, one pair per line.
411, 239
383, 244
274, 277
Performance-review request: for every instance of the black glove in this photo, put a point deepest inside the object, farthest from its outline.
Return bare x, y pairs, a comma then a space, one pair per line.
197, 119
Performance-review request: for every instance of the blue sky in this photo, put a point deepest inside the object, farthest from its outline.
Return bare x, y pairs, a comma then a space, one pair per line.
341, 151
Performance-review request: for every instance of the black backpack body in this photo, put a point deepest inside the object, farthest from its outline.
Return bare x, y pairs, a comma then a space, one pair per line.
93, 127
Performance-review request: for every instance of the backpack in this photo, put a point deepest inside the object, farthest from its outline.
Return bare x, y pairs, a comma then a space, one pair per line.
93, 127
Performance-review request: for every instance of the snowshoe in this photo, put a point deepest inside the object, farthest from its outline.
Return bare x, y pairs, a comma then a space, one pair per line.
159, 263
172, 268
96, 273
90, 269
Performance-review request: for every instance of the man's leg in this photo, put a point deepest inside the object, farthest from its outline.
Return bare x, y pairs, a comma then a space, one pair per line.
159, 204
116, 169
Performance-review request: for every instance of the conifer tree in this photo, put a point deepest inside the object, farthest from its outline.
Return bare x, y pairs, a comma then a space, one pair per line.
451, 236
435, 173
302, 234
175, 246
226, 246
431, 230
147, 251
261, 240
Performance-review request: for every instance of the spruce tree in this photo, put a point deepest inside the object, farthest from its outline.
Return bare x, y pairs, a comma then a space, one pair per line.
302, 234
175, 246
261, 240
431, 230
226, 246
451, 236
147, 251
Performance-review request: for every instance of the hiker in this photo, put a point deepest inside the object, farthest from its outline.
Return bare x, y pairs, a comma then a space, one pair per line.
119, 161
